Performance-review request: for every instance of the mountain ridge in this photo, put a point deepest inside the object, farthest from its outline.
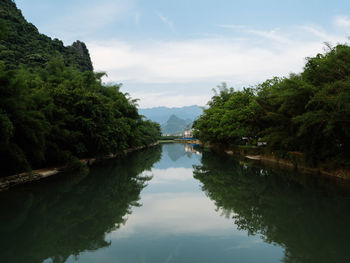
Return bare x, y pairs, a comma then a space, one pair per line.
162, 114
175, 125
21, 43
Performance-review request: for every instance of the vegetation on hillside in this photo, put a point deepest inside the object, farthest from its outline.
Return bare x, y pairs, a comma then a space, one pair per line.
21, 44
175, 126
307, 112
53, 107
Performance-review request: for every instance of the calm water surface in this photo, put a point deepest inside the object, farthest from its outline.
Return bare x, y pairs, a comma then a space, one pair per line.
173, 203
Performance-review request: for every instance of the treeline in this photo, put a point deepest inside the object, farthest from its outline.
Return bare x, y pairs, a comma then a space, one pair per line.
306, 113
53, 108
56, 114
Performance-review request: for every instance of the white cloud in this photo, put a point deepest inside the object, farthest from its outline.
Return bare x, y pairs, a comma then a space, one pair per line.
152, 99
171, 175
166, 21
82, 19
176, 213
273, 35
207, 61
342, 21
316, 32
200, 60
233, 26
137, 17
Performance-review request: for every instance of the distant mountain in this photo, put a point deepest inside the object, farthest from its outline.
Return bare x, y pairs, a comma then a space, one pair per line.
175, 125
162, 114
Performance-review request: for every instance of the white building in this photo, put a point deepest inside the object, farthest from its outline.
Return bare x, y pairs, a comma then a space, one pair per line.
188, 133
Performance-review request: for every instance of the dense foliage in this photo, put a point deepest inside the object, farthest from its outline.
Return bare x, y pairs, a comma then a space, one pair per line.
56, 109
22, 44
307, 112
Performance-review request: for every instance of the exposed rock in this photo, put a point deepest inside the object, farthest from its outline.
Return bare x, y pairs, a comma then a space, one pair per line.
82, 50
25, 177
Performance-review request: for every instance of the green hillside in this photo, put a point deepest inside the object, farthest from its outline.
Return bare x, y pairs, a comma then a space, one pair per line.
23, 45
53, 108
175, 125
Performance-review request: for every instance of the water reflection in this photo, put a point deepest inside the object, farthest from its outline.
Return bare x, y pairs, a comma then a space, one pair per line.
310, 222
173, 203
178, 155
220, 211
174, 151
178, 223
189, 148
63, 217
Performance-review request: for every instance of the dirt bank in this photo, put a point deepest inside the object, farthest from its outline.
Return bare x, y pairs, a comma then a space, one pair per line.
13, 180
257, 154
339, 173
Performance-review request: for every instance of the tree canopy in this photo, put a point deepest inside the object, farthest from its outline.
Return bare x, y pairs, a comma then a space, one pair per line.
53, 107
307, 112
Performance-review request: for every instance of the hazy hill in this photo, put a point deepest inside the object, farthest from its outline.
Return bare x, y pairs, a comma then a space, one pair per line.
162, 114
174, 125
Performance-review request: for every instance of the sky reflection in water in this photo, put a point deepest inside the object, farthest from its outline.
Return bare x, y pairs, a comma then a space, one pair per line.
171, 204
177, 222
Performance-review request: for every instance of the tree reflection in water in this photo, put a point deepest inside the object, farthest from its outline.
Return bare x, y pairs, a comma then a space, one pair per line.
65, 216
308, 218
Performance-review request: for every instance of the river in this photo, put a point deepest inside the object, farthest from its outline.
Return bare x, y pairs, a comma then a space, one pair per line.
177, 203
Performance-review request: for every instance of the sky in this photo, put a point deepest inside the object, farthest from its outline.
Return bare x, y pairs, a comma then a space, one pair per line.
173, 53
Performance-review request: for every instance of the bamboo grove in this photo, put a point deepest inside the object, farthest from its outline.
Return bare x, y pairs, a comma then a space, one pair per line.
306, 113
53, 108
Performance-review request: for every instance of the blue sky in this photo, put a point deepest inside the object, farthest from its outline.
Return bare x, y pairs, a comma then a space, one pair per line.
173, 53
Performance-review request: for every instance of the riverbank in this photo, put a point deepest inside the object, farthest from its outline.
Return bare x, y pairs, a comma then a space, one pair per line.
295, 161
338, 173
35, 175
188, 141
